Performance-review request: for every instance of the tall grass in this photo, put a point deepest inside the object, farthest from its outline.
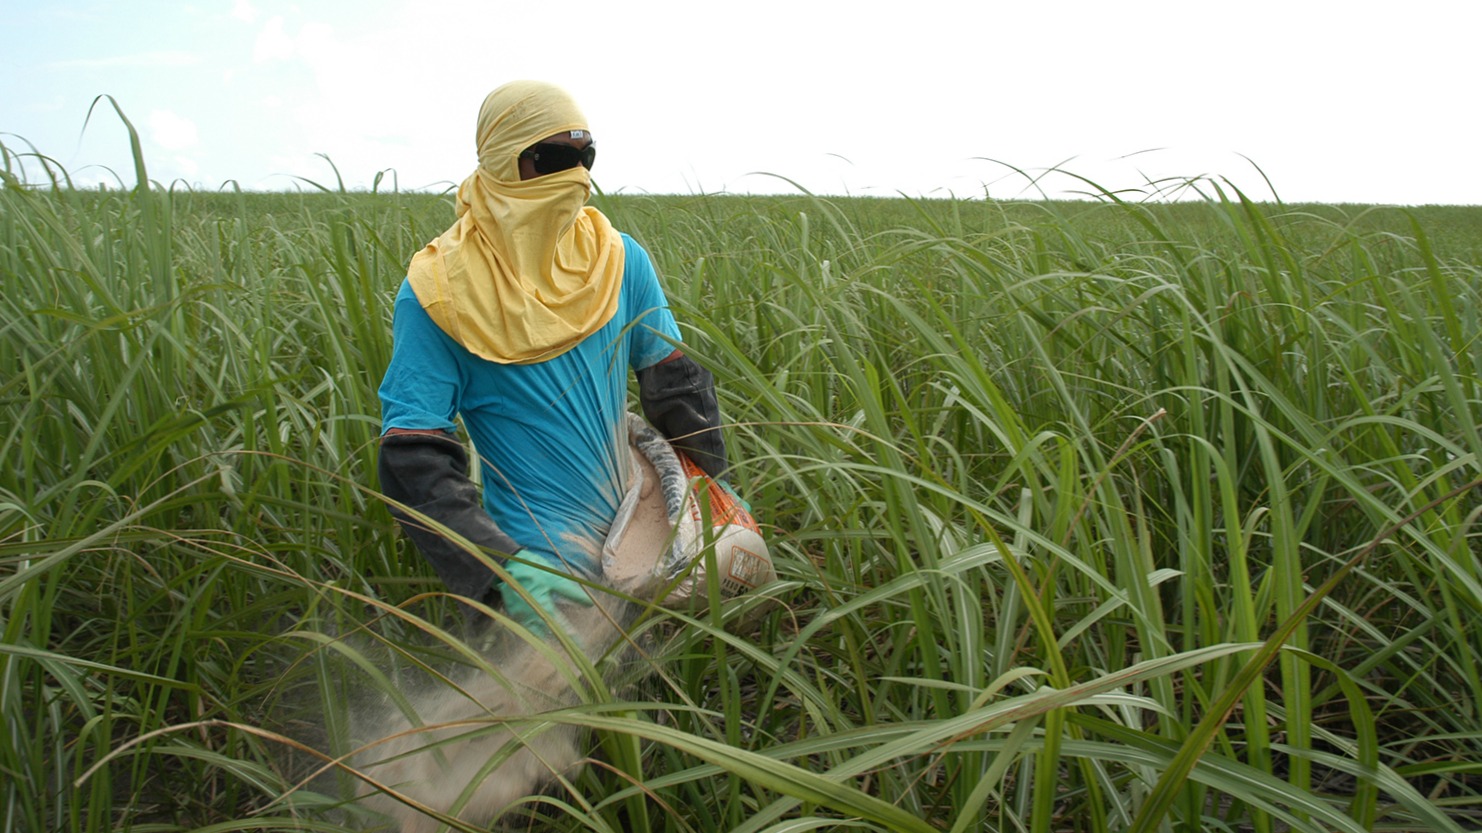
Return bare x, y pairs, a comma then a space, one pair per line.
1089, 516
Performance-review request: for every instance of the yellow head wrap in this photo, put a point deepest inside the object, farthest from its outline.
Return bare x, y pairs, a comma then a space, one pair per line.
528, 270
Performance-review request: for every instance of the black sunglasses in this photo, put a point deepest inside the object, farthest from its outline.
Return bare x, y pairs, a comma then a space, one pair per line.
550, 157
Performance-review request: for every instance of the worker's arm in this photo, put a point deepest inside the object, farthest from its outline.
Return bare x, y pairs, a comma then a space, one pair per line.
427, 471
678, 398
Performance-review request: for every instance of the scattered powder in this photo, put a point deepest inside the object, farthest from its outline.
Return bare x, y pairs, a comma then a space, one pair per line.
445, 765
462, 755
471, 753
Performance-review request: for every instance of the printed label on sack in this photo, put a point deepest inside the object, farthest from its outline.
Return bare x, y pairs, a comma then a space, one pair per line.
747, 570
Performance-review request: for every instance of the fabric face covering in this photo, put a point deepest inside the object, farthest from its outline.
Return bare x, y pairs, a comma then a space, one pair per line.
528, 269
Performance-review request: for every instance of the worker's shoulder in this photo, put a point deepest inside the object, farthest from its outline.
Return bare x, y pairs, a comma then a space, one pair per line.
634, 253
629, 241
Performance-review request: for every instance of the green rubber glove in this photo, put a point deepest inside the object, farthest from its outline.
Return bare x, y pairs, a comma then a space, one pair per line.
544, 588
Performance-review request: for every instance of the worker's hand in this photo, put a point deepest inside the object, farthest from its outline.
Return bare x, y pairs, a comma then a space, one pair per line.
543, 588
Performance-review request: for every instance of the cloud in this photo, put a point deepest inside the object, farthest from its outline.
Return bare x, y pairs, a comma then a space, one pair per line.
188, 166
147, 60
171, 131
244, 11
52, 104
273, 42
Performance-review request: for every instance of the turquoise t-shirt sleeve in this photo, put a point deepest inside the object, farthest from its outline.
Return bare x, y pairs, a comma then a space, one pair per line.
654, 334
422, 385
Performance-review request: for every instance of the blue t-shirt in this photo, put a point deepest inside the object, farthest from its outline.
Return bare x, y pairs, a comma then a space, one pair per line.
552, 436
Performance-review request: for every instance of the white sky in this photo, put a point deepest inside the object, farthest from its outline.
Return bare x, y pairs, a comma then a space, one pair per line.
1353, 101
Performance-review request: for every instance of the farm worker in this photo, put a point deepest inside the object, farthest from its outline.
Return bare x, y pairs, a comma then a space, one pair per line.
523, 319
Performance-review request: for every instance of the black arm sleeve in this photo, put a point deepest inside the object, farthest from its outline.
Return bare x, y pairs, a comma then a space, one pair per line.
429, 473
678, 398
